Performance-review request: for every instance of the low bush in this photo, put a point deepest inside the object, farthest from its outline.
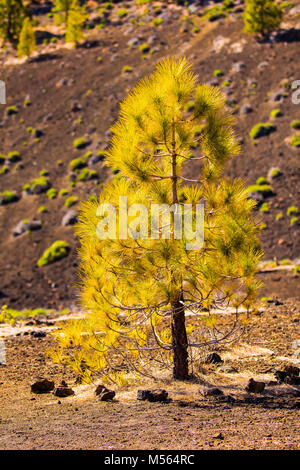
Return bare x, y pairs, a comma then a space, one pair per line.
58, 250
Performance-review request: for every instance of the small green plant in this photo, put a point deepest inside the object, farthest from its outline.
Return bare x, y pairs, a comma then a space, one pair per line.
126, 69
11, 110
215, 13
42, 209
7, 197
275, 113
285, 262
99, 59
70, 201
279, 216
295, 140
63, 192
58, 250
87, 154
265, 189
11, 315
264, 207
77, 163
157, 21
296, 269
44, 173
144, 48
275, 173
101, 155
293, 220
295, 124
261, 129
292, 210
218, 73
122, 13
87, 174
261, 180
52, 193
79, 143
4, 170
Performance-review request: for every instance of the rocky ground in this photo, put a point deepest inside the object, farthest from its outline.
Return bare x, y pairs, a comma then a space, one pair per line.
191, 420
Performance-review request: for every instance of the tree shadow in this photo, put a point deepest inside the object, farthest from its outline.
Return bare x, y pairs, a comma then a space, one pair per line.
44, 57
287, 35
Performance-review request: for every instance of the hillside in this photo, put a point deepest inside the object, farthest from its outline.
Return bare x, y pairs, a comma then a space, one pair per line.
63, 94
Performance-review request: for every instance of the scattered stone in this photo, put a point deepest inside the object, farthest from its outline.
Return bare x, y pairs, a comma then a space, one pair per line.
75, 106
277, 96
70, 218
246, 108
133, 42
228, 369
210, 391
213, 358
38, 334
255, 387
104, 394
153, 395
63, 391
42, 385
238, 67
25, 225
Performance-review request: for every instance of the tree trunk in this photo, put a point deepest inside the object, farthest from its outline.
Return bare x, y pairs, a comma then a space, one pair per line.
179, 342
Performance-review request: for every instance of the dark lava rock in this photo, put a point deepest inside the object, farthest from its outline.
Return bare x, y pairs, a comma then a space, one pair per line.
42, 385
104, 394
255, 387
213, 358
153, 395
38, 334
246, 108
63, 391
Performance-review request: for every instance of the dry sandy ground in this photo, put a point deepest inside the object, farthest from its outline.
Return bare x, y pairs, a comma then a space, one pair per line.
189, 421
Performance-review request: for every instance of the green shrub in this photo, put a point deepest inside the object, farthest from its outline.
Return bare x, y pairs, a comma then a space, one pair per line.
262, 180
295, 140
265, 189
215, 13
126, 69
42, 209
71, 200
157, 21
44, 173
295, 124
261, 129
122, 13
87, 174
8, 196
262, 16
275, 113
218, 73
264, 207
59, 249
144, 48
79, 143
292, 210
285, 262
63, 192
14, 156
293, 220
77, 163
279, 216
4, 170
296, 269
275, 172
11, 110
52, 193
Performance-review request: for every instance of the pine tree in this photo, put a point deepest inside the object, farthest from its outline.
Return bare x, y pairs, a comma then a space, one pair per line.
12, 14
262, 16
62, 10
27, 42
144, 298
76, 19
